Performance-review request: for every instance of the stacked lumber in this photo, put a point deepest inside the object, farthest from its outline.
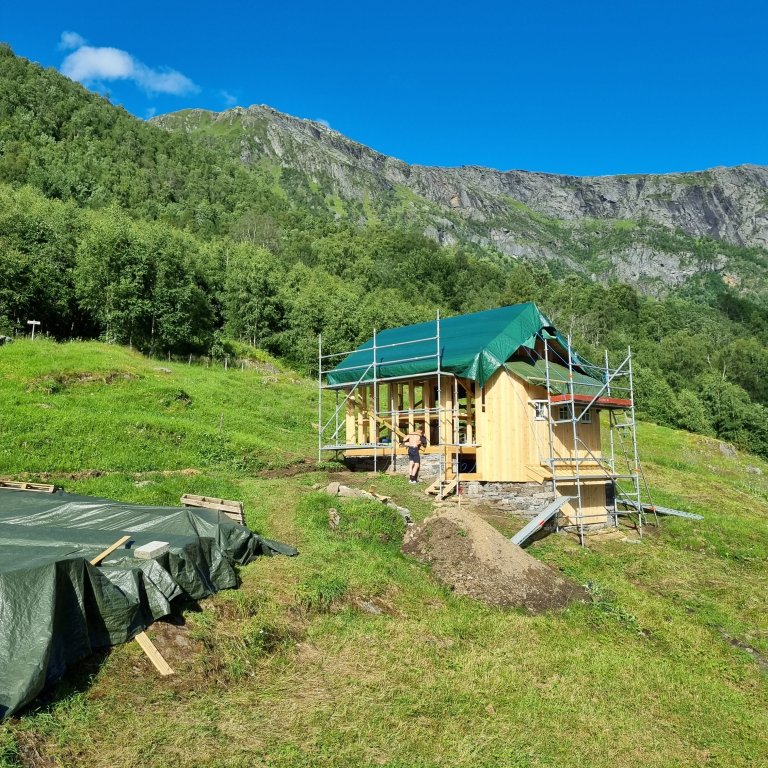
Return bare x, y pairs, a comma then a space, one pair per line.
20, 485
232, 509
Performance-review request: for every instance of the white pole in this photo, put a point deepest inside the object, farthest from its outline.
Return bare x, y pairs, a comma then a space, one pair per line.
319, 398
375, 420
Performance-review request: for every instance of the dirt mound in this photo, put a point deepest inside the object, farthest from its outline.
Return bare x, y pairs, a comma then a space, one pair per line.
474, 559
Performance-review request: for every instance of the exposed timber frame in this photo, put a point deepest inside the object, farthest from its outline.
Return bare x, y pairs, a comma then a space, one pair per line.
438, 411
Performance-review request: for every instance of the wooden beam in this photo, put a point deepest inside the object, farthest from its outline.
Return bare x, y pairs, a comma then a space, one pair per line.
389, 425
601, 402
161, 665
142, 639
361, 407
109, 550
349, 418
411, 404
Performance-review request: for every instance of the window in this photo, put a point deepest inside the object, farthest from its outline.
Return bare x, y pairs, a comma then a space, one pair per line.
540, 411
584, 416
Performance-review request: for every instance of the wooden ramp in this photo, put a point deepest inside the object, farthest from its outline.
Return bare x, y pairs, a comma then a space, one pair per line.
651, 508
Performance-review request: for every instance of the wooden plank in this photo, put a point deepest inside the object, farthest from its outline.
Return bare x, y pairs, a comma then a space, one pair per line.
361, 407
161, 665
434, 488
616, 402
25, 486
109, 550
389, 425
411, 404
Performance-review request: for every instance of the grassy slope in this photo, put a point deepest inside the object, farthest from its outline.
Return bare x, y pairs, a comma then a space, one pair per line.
294, 669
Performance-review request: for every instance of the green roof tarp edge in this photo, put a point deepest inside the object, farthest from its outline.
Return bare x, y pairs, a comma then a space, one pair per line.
472, 346
536, 373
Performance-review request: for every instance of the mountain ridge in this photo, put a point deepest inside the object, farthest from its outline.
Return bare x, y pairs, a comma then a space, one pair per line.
638, 218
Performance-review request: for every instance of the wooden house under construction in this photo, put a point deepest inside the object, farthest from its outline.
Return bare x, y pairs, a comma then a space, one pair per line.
502, 398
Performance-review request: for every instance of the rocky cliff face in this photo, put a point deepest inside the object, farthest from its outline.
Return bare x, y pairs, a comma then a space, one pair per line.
642, 228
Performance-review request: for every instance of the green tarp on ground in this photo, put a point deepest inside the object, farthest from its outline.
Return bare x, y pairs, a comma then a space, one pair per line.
472, 346
55, 607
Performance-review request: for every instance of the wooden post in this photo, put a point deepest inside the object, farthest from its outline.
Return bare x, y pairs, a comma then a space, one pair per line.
146, 644
349, 419
411, 403
361, 403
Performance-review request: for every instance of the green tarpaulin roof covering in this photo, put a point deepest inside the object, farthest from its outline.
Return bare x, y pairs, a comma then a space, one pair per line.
55, 607
536, 373
472, 346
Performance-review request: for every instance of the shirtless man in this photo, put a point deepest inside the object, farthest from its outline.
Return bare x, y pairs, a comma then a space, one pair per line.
415, 441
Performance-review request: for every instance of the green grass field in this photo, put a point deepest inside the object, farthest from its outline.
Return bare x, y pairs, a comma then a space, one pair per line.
353, 655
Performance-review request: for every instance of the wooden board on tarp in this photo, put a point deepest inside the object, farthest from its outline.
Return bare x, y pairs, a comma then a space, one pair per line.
232, 509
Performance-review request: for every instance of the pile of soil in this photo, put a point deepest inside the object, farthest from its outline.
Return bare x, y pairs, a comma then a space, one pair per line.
474, 559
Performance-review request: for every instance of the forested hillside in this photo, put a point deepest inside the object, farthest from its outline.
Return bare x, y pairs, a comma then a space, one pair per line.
114, 229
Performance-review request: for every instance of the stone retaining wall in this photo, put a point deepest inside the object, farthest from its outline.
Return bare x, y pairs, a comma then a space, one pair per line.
525, 498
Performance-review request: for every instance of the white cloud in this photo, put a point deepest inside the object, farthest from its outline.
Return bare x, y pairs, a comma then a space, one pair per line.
323, 122
71, 40
151, 112
229, 99
95, 65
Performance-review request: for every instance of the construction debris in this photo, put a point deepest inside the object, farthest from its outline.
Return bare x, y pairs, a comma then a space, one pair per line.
68, 562
151, 550
344, 491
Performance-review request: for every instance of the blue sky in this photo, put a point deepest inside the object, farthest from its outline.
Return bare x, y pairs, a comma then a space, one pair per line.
566, 87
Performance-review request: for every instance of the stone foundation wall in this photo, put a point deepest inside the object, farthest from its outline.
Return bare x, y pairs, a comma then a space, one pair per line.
524, 498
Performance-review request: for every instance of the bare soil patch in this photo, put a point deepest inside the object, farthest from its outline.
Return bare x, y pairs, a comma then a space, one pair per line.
301, 467
474, 559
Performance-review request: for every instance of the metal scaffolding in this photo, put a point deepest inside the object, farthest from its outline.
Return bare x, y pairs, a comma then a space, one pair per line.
389, 414
620, 468
569, 403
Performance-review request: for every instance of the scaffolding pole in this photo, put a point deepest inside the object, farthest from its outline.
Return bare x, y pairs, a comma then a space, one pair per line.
575, 448
551, 429
319, 397
375, 421
371, 416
